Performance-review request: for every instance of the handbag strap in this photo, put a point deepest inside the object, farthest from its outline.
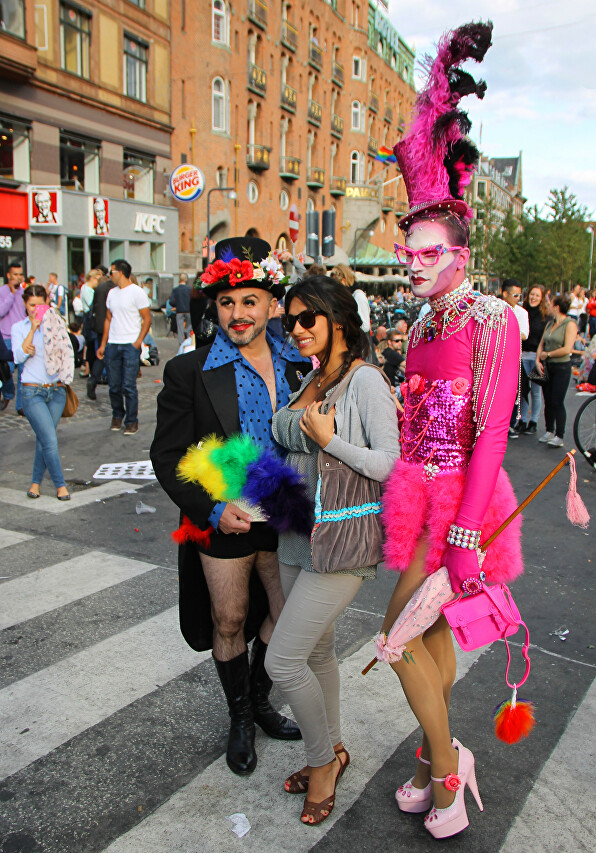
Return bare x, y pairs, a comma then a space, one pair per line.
342, 386
525, 645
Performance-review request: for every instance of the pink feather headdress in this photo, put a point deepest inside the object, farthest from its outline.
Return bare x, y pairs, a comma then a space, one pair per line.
435, 157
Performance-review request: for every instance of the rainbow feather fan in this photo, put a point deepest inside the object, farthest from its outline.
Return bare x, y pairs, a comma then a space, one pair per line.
234, 468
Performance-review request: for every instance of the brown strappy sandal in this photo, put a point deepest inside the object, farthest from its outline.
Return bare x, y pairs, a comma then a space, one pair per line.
297, 783
315, 810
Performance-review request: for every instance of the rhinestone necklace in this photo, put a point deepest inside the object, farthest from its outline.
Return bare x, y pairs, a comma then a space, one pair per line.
448, 315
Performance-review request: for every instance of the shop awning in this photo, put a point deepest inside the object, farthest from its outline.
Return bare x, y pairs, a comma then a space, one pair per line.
374, 256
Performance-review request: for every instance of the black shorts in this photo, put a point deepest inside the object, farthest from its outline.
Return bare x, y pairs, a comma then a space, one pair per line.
227, 546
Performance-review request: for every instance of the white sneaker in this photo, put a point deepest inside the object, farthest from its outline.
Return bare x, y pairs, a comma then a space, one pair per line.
556, 442
546, 437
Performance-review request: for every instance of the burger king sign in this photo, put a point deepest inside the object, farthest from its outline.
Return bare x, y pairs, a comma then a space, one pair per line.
187, 182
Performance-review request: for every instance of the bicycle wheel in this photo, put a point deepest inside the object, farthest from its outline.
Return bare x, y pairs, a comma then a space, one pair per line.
584, 430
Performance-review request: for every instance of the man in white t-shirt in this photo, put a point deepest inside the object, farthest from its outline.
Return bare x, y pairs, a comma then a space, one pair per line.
127, 322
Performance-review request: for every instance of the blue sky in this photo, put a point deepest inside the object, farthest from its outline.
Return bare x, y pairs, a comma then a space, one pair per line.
541, 96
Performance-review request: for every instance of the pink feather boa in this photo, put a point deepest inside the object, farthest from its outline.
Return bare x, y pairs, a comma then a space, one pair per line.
412, 503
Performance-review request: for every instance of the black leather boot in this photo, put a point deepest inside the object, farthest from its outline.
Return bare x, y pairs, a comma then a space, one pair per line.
234, 676
273, 723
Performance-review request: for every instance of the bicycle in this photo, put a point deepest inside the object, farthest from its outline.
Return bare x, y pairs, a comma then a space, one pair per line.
584, 430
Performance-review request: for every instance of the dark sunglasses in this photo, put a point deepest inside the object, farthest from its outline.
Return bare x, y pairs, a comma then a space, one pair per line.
307, 319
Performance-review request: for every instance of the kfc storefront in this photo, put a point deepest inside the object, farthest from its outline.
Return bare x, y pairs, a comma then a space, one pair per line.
14, 222
71, 232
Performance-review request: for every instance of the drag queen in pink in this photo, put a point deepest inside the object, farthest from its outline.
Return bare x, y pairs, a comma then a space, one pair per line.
448, 492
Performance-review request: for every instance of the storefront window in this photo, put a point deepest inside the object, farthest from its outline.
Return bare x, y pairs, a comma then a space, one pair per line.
75, 247
95, 252
116, 250
12, 248
12, 17
79, 164
135, 68
14, 150
137, 178
157, 256
74, 39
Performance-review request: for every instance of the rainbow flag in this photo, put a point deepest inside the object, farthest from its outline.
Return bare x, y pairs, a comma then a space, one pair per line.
386, 155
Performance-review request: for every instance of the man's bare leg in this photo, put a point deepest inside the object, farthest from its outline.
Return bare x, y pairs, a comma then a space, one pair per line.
267, 567
228, 588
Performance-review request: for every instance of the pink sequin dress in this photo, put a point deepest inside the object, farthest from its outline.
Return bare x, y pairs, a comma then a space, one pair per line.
459, 393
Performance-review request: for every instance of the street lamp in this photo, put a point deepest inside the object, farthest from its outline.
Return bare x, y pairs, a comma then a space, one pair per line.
231, 195
371, 233
590, 230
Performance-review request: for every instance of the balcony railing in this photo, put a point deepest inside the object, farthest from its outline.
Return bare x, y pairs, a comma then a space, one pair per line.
257, 157
338, 186
315, 56
289, 35
257, 79
337, 73
373, 102
373, 147
257, 13
337, 126
315, 178
401, 208
288, 98
388, 115
289, 168
315, 112
387, 203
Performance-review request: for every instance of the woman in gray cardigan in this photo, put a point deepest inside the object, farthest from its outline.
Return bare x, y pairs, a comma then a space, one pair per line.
361, 431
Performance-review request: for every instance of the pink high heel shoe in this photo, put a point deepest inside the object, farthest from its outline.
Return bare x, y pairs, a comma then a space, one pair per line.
411, 799
443, 823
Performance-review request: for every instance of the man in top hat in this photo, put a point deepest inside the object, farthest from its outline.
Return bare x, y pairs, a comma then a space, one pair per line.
230, 591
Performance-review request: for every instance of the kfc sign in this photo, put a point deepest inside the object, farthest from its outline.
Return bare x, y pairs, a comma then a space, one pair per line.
99, 216
45, 206
150, 223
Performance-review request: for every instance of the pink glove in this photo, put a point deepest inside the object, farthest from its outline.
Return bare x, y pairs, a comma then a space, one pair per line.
461, 564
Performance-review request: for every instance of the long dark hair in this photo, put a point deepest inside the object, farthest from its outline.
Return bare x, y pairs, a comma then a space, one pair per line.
328, 297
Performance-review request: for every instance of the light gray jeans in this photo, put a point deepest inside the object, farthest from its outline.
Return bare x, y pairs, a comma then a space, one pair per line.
301, 655
183, 326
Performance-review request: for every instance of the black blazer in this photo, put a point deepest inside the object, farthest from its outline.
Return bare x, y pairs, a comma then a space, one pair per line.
192, 405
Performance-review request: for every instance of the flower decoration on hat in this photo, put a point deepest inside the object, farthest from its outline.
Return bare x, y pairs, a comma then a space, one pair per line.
244, 261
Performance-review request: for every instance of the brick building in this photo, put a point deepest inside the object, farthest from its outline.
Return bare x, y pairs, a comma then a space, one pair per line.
288, 103
85, 135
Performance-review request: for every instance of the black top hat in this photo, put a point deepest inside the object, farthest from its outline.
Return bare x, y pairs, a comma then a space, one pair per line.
243, 262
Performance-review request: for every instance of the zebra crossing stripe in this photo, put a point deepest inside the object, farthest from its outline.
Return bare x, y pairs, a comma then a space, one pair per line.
11, 537
54, 586
559, 813
47, 503
194, 818
44, 710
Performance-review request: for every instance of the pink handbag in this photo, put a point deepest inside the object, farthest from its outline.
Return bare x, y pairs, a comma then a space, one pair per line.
487, 614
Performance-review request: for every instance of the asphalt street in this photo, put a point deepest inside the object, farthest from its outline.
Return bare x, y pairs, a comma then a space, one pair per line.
113, 731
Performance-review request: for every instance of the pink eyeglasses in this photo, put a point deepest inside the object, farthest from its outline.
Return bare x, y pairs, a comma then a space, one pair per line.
428, 256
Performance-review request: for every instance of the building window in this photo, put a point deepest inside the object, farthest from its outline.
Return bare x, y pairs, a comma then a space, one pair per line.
282, 243
79, 164
135, 68
220, 28
481, 189
137, 176
252, 192
221, 177
139, 3
219, 105
356, 167
383, 225
284, 200
358, 68
74, 39
310, 205
12, 17
356, 116
157, 256
14, 150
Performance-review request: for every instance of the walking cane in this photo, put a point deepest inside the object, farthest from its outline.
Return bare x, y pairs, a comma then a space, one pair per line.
566, 461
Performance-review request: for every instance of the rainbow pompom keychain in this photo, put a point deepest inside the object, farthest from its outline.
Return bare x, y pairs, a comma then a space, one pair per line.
514, 718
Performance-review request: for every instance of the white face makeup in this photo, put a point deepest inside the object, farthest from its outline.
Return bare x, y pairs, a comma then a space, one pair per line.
443, 276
